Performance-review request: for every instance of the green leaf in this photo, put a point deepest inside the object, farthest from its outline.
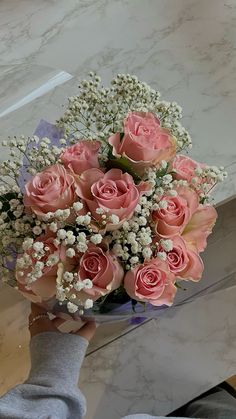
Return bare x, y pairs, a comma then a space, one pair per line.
123, 164
111, 301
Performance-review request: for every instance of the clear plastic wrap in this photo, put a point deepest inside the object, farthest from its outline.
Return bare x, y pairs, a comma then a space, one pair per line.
112, 311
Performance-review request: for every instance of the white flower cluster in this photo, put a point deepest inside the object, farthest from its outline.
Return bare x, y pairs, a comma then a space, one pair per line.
28, 152
69, 287
133, 243
97, 112
206, 179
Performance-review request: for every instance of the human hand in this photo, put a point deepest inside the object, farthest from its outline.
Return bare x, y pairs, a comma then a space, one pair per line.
39, 322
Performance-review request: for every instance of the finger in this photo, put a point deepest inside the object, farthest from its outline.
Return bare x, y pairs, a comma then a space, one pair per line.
87, 331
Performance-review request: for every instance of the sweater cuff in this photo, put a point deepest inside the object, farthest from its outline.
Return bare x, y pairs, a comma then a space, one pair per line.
58, 356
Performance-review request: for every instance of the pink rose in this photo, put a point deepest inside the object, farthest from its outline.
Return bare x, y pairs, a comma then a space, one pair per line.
44, 287
115, 192
81, 156
185, 168
199, 227
49, 190
103, 269
145, 142
173, 219
183, 262
151, 282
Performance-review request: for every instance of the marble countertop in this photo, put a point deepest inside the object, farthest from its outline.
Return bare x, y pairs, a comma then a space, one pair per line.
185, 48
165, 363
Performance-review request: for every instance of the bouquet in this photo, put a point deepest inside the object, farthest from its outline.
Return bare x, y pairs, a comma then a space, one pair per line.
113, 211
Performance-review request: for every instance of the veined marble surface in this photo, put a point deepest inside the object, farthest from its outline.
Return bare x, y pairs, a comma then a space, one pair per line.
185, 48
165, 363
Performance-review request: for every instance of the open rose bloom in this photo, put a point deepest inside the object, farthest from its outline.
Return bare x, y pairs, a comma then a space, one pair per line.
111, 220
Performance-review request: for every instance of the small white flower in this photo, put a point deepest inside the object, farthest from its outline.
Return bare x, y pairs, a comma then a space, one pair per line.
147, 252
143, 200
4, 215
131, 237
71, 307
80, 219
172, 192
198, 171
159, 191
70, 253
162, 255
77, 206
118, 250
100, 211
70, 239
81, 247
28, 242
163, 204
138, 208
142, 221
96, 238
20, 263
66, 213
167, 179
14, 203
81, 237
135, 248
53, 259
87, 219
167, 244
68, 276
88, 303
134, 260
145, 239
53, 227
61, 234
114, 219
38, 246
163, 164
62, 141
88, 283
78, 286
59, 213
126, 226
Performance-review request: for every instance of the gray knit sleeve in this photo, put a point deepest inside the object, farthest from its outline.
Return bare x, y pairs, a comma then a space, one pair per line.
51, 390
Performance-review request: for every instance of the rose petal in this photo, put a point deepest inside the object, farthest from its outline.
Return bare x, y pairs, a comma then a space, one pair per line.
199, 227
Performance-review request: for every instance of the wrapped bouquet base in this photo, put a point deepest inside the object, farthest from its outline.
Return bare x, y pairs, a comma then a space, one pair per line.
104, 214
